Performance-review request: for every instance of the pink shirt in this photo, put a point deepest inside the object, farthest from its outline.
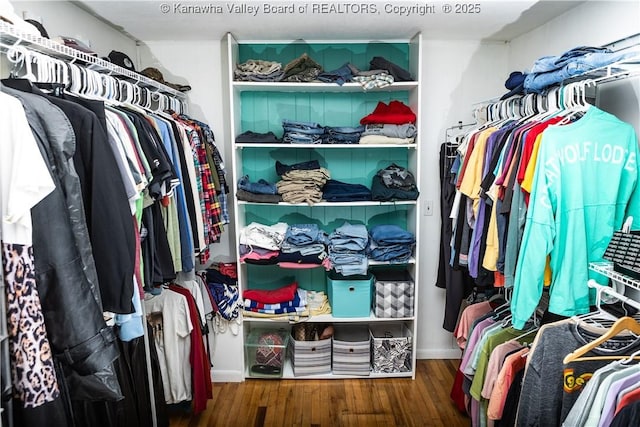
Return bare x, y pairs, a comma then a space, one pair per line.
512, 364
469, 315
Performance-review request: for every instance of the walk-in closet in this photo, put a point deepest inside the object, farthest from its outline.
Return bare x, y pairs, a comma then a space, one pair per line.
319, 213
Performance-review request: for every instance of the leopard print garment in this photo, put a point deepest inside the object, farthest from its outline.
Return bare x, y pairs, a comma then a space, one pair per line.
32, 371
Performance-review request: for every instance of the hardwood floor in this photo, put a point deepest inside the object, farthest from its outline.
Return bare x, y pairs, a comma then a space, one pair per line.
332, 403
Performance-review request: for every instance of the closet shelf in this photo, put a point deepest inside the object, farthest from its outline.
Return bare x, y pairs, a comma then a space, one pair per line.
323, 146
622, 69
411, 260
287, 373
241, 86
337, 204
606, 269
9, 34
326, 318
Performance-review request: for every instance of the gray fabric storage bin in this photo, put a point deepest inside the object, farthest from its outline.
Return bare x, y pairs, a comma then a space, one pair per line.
351, 350
394, 294
310, 357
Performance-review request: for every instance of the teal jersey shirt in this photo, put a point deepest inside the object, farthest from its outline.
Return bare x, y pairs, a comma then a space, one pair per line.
584, 186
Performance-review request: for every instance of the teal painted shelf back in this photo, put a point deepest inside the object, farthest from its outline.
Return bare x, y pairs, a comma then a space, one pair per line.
329, 55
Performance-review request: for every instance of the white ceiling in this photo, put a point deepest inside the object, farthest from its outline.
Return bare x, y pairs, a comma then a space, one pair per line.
146, 20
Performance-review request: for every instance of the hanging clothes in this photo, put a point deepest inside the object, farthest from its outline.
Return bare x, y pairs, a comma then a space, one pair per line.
63, 264
126, 198
106, 211
25, 181
583, 189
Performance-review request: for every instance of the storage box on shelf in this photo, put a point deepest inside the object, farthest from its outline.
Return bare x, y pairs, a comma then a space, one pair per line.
393, 294
391, 348
310, 357
351, 350
262, 106
349, 296
265, 351
310, 348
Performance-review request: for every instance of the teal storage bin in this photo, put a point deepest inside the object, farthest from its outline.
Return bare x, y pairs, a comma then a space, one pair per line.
349, 296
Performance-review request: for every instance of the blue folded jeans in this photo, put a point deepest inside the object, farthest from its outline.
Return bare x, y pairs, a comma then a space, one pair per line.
395, 253
260, 187
351, 230
310, 128
291, 137
304, 250
348, 245
340, 75
304, 234
545, 64
353, 269
385, 235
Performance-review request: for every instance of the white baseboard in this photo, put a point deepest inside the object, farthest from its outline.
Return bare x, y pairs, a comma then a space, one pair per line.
442, 353
219, 376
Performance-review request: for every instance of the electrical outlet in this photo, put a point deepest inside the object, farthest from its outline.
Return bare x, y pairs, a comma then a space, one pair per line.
428, 208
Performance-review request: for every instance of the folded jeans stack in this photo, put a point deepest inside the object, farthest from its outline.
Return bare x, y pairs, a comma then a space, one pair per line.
390, 243
305, 241
340, 75
298, 132
301, 185
394, 183
257, 70
347, 249
261, 191
342, 134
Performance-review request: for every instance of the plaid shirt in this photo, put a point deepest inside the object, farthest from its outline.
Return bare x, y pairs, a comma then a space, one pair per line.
209, 197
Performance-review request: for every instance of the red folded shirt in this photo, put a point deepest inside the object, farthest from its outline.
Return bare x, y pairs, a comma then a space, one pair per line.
396, 113
274, 296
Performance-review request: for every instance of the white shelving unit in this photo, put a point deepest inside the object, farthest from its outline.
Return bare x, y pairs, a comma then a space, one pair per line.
261, 107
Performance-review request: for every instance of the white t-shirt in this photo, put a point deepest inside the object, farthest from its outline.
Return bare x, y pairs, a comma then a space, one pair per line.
173, 342
24, 177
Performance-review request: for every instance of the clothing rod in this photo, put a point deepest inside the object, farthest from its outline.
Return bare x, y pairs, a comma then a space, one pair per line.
607, 290
460, 125
9, 34
624, 43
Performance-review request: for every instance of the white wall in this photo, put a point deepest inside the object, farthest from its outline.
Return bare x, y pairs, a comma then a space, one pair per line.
593, 23
62, 18
456, 75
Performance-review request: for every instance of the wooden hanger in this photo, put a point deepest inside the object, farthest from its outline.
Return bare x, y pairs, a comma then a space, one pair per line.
624, 324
